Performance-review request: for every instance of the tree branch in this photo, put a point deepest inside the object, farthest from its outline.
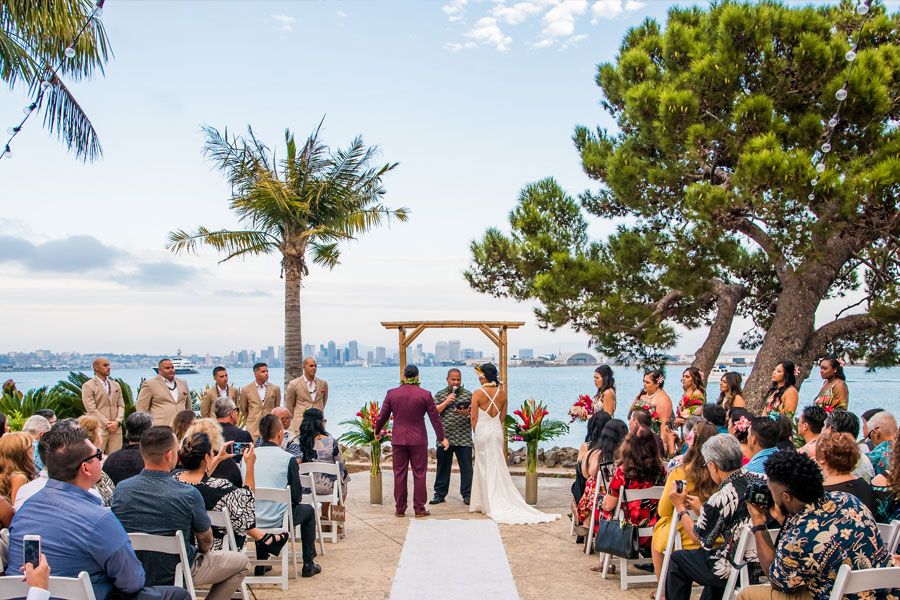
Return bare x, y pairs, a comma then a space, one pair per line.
661, 310
829, 332
783, 269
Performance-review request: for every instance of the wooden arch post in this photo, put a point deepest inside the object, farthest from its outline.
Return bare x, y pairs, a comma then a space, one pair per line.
496, 331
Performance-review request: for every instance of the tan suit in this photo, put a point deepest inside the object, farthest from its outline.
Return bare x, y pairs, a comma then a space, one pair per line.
255, 409
156, 399
106, 407
297, 399
208, 402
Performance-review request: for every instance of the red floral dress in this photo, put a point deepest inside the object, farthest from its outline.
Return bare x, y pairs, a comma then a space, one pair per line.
638, 512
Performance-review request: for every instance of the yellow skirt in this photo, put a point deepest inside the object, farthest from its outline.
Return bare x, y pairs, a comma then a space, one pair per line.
661, 535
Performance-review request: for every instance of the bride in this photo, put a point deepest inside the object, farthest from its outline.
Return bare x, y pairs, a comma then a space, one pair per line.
493, 491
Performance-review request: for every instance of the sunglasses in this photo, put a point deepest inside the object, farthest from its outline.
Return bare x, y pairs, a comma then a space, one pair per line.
98, 455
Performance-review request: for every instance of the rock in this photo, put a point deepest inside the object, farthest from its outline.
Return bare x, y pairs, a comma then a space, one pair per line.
551, 457
569, 464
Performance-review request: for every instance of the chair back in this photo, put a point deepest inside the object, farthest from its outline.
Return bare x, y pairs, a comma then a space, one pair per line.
222, 519
849, 581
65, 588
325, 468
168, 544
282, 495
890, 535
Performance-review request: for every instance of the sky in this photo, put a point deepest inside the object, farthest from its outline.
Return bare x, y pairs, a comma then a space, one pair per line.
474, 98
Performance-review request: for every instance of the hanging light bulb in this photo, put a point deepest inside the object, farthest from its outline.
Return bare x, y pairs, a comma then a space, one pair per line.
44, 85
97, 12
812, 196
27, 110
832, 122
69, 52
826, 147
13, 130
820, 167
850, 56
814, 182
7, 153
862, 8
841, 94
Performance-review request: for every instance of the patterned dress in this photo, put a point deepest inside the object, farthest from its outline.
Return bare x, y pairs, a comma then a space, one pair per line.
326, 450
835, 530
220, 493
641, 513
881, 457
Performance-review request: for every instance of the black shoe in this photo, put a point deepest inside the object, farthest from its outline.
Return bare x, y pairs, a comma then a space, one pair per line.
466, 500
261, 570
310, 570
272, 544
645, 567
437, 500
579, 539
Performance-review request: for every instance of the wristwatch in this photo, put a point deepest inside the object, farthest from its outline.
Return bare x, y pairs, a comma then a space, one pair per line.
758, 528
681, 514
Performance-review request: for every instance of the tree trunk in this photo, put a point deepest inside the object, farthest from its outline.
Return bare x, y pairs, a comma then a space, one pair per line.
293, 342
728, 297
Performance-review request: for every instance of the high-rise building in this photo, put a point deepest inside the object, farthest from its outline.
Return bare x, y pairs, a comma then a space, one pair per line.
332, 357
468, 353
454, 350
370, 357
281, 353
354, 351
526, 353
441, 353
380, 355
309, 351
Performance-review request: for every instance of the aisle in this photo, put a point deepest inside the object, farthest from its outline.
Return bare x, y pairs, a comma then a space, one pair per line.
453, 558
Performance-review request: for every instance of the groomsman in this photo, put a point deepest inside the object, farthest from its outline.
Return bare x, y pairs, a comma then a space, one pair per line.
220, 389
307, 391
102, 398
164, 395
258, 398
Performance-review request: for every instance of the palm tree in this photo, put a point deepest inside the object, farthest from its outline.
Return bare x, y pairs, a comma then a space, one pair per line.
311, 200
33, 40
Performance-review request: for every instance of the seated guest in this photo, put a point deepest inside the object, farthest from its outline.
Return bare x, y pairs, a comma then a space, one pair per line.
820, 532
276, 468
785, 432
887, 490
866, 445
597, 468
317, 445
837, 455
641, 416
197, 458
844, 421
764, 435
127, 461
739, 420
48, 414
882, 431
181, 422
640, 466
291, 442
809, 427
16, 463
715, 414
595, 426
227, 415
77, 533
227, 469
699, 483
721, 520
36, 426
92, 426
155, 502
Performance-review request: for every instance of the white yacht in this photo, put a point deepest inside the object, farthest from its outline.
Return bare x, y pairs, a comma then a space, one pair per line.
182, 365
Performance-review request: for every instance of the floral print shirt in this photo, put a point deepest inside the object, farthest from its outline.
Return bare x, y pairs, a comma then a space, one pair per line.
835, 530
881, 457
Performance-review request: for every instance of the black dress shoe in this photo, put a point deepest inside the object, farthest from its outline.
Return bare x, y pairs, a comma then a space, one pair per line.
261, 570
466, 500
436, 500
310, 570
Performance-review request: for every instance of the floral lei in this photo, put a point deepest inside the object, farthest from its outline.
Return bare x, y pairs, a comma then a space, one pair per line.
410, 381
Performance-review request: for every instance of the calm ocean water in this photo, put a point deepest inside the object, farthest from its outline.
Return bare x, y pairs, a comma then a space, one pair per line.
558, 387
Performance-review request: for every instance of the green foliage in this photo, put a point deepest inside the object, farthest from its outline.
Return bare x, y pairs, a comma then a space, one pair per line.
64, 399
15, 420
25, 404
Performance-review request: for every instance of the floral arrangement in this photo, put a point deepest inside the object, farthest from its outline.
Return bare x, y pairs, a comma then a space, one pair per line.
582, 409
742, 425
531, 429
830, 402
688, 406
363, 433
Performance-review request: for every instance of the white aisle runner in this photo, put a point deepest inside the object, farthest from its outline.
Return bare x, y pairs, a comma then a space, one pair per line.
455, 558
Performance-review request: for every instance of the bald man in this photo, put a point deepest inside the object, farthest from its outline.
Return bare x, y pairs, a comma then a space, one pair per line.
291, 442
102, 398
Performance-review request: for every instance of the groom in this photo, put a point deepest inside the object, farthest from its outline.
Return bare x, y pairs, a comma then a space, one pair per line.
409, 440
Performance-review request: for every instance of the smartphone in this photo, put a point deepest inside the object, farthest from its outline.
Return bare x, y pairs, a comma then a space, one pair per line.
31, 549
679, 486
239, 447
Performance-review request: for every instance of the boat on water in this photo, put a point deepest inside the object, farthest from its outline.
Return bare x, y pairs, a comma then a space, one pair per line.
182, 365
721, 369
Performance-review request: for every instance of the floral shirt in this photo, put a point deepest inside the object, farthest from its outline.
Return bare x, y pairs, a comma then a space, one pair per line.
881, 457
724, 516
835, 530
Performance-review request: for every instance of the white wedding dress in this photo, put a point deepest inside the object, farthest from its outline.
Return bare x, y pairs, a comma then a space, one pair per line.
493, 490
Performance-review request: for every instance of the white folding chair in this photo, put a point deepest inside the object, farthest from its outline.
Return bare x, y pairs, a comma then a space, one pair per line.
672, 544
650, 493
746, 547
281, 496
335, 499
222, 518
307, 482
65, 588
168, 544
890, 535
849, 581
605, 475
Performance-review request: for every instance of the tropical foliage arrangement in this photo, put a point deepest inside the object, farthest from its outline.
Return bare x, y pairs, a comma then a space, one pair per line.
532, 428
64, 399
363, 433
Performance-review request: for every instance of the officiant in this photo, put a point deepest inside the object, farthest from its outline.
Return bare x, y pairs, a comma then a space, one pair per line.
454, 403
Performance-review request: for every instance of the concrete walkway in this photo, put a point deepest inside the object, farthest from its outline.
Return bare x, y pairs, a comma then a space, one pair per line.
545, 561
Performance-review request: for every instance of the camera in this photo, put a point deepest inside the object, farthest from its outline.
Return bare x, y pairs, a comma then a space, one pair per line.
679, 485
759, 494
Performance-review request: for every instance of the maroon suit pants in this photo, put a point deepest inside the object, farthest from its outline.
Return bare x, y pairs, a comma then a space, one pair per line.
405, 457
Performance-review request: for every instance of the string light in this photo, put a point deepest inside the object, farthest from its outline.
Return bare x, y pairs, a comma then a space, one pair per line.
820, 156
69, 52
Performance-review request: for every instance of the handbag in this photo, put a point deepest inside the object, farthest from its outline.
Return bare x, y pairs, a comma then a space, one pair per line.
618, 538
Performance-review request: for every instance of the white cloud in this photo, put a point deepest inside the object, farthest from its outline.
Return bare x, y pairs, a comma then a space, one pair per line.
342, 14
559, 21
610, 9
287, 23
516, 13
455, 9
454, 47
634, 5
573, 40
486, 31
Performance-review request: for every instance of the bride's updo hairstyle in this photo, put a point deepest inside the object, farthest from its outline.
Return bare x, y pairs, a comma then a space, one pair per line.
490, 373
195, 448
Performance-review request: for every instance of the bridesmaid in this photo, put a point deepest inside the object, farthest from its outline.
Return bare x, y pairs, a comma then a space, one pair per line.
781, 399
694, 396
834, 392
655, 399
730, 392
605, 398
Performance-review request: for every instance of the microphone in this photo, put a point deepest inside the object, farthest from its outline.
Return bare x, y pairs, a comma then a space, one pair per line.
453, 389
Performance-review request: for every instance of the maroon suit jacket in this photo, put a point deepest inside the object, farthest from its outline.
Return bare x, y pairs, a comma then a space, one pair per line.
408, 404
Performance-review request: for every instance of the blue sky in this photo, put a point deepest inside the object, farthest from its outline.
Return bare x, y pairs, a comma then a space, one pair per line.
474, 99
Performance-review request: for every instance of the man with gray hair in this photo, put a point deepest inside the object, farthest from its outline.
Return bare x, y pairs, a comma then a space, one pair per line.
36, 426
127, 461
882, 431
227, 415
723, 516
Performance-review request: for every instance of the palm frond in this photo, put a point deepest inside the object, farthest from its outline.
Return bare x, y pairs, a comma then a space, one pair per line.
232, 243
327, 255
15, 61
64, 114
